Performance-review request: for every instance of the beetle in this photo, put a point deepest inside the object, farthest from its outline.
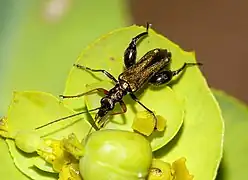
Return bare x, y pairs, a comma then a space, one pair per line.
151, 68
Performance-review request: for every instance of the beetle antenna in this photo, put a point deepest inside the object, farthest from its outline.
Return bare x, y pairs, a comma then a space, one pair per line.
67, 117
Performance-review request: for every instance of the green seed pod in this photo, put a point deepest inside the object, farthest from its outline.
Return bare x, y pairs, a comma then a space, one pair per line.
116, 154
27, 141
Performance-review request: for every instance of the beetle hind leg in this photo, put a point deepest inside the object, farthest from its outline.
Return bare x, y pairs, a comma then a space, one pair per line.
166, 76
131, 51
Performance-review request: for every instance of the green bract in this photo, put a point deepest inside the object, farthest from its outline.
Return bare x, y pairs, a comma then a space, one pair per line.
31, 109
201, 136
194, 126
235, 113
115, 154
27, 141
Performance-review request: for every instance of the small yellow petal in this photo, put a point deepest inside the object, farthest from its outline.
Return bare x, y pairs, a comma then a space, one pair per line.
160, 170
144, 123
180, 170
4, 130
3, 124
56, 153
161, 123
73, 146
70, 171
52, 152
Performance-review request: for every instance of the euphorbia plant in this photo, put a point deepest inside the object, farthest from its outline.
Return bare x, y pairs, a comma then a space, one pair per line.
194, 125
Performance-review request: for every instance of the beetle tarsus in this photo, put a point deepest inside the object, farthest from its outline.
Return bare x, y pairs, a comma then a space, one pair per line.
185, 65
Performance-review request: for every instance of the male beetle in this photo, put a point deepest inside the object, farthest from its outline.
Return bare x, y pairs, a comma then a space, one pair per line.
151, 68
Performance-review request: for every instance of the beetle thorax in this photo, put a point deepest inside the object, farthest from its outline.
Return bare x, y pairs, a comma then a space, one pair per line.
118, 91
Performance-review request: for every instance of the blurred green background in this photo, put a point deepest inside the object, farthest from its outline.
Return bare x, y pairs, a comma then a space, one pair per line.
40, 40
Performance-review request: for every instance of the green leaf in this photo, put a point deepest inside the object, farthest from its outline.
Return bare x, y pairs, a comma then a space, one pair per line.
200, 139
39, 163
29, 110
8, 170
234, 164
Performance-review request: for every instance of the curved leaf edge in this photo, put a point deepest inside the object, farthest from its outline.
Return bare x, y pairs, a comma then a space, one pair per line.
240, 105
183, 52
112, 32
38, 92
230, 97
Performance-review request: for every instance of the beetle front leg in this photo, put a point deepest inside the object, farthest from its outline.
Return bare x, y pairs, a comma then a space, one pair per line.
166, 76
131, 51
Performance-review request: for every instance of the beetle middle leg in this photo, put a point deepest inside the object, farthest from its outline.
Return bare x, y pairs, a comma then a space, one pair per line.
137, 100
106, 73
123, 109
167, 75
131, 51
85, 93
101, 122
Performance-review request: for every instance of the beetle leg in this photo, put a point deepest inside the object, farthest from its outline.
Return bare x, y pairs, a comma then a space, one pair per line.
137, 100
131, 51
123, 109
106, 73
100, 122
164, 77
85, 93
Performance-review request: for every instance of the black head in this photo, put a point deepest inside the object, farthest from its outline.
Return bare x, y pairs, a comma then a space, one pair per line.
107, 105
